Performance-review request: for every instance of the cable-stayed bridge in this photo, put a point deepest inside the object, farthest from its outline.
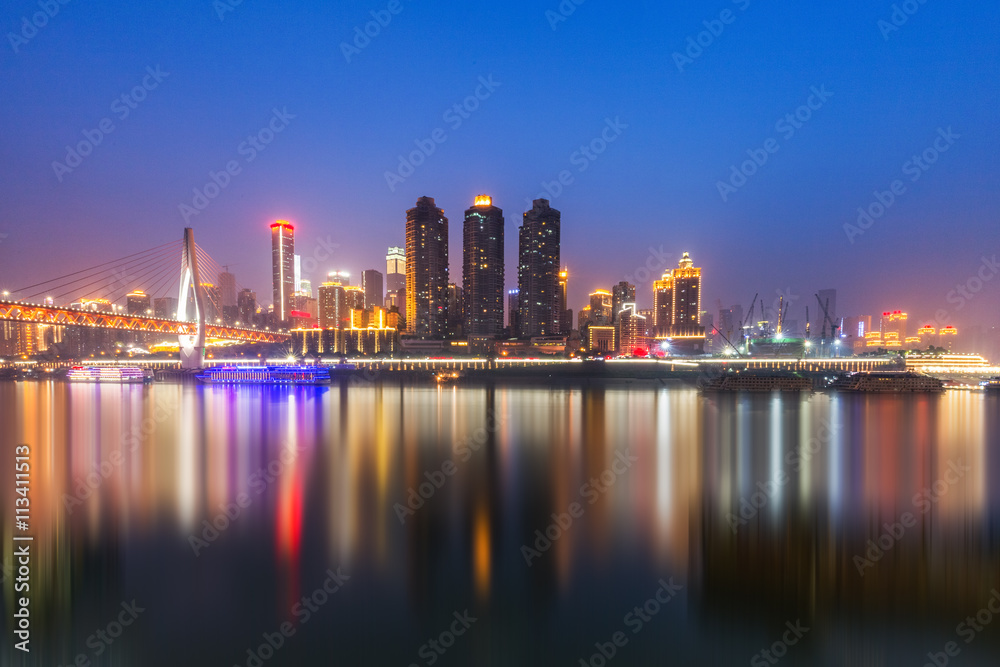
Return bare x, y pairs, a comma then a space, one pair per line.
90, 298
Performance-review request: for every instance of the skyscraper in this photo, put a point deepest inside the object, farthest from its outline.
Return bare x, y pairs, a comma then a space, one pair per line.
687, 296
426, 270
283, 268
482, 268
677, 306
514, 312
371, 283
622, 293
137, 302
565, 324
538, 271
247, 303
395, 269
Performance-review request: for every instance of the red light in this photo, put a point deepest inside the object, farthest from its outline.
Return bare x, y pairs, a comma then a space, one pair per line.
283, 223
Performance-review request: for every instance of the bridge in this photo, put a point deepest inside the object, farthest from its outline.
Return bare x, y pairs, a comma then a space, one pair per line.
97, 287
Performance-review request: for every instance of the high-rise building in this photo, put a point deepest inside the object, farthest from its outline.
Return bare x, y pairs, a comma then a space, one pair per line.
633, 334
687, 295
565, 324
456, 311
600, 307
483, 268
395, 269
538, 271
622, 293
426, 270
283, 268
227, 285
332, 305
247, 304
165, 307
677, 307
137, 303
371, 283
514, 312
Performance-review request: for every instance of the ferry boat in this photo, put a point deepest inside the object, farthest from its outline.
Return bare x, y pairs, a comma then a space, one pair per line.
265, 375
109, 374
887, 382
993, 384
758, 382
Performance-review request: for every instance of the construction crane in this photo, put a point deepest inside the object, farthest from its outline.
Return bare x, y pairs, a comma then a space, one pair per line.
743, 326
826, 319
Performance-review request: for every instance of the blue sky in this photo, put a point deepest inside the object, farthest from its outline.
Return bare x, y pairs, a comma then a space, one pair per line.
554, 91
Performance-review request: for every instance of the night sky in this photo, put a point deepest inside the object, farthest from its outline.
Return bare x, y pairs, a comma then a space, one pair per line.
607, 68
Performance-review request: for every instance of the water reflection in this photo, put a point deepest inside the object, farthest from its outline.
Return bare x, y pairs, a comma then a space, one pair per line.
223, 507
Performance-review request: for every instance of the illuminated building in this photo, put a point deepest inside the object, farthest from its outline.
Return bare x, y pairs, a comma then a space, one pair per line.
687, 295
601, 338
600, 307
483, 268
305, 287
663, 304
213, 309
307, 304
622, 293
282, 268
371, 283
247, 304
332, 305
677, 307
583, 319
137, 303
893, 328
96, 305
541, 308
947, 336
165, 307
395, 269
562, 303
354, 297
426, 270
632, 331
456, 311
339, 278
514, 312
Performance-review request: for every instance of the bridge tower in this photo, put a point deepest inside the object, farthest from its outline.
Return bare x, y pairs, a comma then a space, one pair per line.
192, 345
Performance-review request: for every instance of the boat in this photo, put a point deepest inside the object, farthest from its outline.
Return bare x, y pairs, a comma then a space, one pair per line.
754, 381
887, 382
993, 384
265, 375
446, 377
109, 374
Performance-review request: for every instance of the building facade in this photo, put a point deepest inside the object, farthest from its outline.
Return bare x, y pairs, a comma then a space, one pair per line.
426, 270
283, 268
483, 269
538, 271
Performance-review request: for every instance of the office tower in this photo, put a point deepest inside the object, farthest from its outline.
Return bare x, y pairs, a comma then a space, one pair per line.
426, 270
600, 307
730, 326
482, 268
339, 278
305, 287
663, 304
632, 331
165, 307
622, 293
538, 270
456, 311
137, 303
687, 295
565, 323
213, 301
298, 272
282, 268
828, 300
371, 283
227, 287
893, 328
332, 305
395, 269
355, 297
247, 304
513, 312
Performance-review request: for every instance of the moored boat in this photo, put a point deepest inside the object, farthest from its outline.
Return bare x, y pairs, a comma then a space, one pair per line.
109, 374
887, 382
753, 381
265, 375
993, 384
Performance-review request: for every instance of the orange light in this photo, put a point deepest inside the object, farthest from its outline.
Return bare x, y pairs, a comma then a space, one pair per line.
483, 200
283, 223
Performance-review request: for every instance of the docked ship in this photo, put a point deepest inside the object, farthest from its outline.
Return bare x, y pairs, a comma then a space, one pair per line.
758, 382
993, 384
109, 374
887, 382
265, 375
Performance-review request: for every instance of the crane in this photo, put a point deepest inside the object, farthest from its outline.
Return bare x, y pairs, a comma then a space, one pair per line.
826, 319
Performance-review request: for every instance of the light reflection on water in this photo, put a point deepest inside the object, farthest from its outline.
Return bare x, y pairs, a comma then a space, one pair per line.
761, 506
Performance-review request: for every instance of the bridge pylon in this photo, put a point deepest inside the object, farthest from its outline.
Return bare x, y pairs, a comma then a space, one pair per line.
192, 346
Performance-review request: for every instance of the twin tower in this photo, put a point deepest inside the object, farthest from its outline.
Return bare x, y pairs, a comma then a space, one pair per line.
540, 307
